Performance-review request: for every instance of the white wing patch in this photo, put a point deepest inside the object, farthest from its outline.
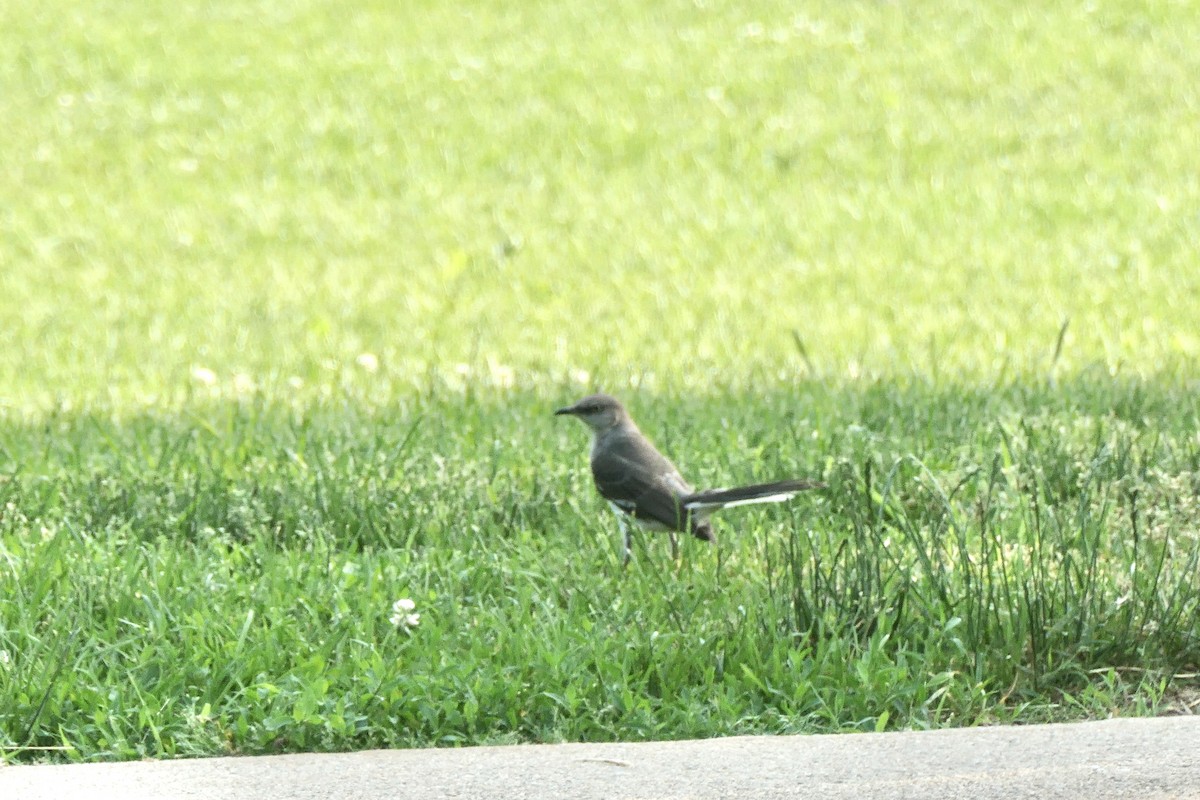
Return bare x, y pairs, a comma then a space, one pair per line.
676, 483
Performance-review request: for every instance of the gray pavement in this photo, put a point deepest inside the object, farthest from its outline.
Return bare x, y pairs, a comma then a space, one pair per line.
1121, 758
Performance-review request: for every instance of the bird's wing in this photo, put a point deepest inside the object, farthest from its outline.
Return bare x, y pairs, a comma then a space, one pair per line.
646, 487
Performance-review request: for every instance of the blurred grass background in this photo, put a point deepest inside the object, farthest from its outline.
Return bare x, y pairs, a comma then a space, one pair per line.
666, 192
287, 291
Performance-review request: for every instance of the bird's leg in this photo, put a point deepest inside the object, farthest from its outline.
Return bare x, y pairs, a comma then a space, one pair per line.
674, 545
627, 536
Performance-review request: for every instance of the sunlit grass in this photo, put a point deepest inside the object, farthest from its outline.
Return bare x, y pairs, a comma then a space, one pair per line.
665, 193
289, 290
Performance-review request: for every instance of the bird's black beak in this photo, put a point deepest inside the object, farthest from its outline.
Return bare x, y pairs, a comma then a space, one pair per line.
565, 410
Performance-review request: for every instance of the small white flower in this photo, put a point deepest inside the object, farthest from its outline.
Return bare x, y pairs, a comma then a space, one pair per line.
368, 361
5, 658
204, 375
403, 615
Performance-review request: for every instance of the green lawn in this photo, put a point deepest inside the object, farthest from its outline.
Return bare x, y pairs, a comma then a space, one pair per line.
288, 292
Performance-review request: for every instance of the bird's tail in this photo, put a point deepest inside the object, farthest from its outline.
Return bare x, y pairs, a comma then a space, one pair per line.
774, 492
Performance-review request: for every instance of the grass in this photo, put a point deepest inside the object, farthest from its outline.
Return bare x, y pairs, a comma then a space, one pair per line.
289, 291
222, 580
272, 189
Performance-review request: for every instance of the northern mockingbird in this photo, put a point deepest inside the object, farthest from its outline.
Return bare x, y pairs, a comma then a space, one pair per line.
640, 482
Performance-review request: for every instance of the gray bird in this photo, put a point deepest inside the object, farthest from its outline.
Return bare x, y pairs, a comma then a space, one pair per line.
640, 482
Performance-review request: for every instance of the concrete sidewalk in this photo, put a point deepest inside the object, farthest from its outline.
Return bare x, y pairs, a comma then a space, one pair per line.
1121, 758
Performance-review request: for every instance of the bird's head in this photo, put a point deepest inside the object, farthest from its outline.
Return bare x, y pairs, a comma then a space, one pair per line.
599, 411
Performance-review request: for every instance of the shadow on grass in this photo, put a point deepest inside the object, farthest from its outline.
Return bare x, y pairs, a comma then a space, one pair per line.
980, 554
